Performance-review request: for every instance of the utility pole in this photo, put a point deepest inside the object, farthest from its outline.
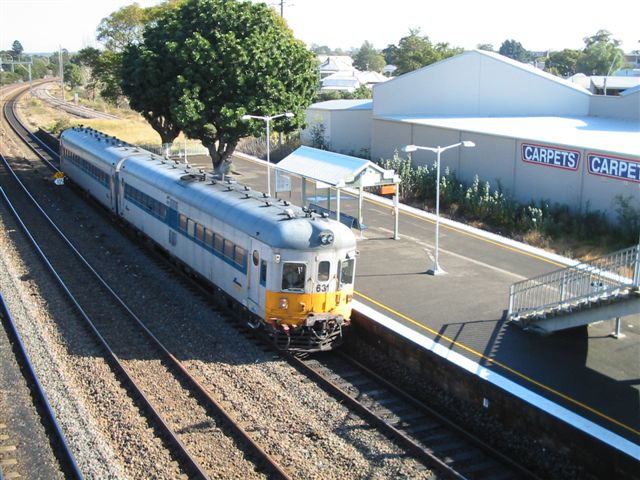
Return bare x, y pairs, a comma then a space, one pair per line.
61, 74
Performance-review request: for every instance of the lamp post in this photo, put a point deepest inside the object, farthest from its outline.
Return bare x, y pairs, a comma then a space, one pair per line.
267, 120
436, 270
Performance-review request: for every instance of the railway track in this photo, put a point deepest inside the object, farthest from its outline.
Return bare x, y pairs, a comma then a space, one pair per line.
421, 432
125, 338
58, 440
440, 442
79, 111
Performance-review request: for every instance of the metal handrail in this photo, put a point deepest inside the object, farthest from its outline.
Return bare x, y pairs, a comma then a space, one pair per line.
610, 275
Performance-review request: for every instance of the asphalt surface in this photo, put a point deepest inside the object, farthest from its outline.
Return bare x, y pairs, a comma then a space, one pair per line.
584, 369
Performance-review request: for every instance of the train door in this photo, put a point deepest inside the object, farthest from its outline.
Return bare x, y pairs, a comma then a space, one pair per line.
257, 277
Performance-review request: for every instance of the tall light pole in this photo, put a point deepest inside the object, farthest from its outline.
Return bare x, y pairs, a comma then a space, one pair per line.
436, 270
268, 119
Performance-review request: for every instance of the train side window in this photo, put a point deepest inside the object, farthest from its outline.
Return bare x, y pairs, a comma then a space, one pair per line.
293, 276
183, 222
191, 226
346, 271
208, 237
228, 249
218, 243
263, 273
200, 232
324, 268
256, 257
240, 257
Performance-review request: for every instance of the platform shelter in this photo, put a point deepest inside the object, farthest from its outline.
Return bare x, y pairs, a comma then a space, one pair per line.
335, 170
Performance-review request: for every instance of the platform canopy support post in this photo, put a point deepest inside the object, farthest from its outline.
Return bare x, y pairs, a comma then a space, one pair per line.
360, 207
304, 191
337, 204
396, 214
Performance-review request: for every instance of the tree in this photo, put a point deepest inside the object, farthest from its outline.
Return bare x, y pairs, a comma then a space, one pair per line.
231, 58
514, 50
368, 58
390, 54
122, 27
148, 82
486, 47
601, 55
416, 51
562, 63
16, 49
72, 75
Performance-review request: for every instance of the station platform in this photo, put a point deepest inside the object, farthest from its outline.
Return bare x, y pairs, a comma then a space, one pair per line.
583, 376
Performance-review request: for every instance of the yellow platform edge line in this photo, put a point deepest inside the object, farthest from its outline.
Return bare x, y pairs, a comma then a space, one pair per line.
501, 365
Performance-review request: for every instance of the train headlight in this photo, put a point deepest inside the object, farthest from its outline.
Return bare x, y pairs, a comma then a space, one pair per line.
284, 304
326, 238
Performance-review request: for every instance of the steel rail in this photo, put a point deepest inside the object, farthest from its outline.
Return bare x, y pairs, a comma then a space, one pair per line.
446, 467
239, 430
63, 451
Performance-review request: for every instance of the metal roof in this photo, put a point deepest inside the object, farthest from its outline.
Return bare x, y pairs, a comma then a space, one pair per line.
334, 169
591, 133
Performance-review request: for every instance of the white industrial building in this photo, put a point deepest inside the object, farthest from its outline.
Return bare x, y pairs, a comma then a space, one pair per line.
539, 136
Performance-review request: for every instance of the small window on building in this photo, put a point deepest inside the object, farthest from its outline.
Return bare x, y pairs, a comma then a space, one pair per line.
293, 276
323, 271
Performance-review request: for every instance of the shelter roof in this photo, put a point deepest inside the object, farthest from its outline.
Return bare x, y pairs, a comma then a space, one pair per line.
592, 133
334, 169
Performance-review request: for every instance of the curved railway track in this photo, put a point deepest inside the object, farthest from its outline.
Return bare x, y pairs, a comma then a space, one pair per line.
124, 336
422, 432
79, 111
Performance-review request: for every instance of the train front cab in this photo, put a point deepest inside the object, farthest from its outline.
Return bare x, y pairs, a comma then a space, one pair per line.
307, 296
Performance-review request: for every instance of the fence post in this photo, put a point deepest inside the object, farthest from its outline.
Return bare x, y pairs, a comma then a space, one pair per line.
510, 301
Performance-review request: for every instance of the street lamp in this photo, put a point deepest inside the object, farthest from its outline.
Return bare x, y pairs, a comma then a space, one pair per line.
436, 270
267, 119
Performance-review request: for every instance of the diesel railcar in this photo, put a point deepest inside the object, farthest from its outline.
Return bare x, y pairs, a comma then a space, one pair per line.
289, 270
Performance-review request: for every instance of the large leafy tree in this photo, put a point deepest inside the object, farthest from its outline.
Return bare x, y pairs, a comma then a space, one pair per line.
562, 63
416, 51
230, 58
148, 81
601, 55
514, 50
368, 58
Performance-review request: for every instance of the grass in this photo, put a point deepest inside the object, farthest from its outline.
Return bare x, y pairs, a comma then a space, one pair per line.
130, 127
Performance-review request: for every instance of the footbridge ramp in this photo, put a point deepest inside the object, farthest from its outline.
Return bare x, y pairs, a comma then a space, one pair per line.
600, 289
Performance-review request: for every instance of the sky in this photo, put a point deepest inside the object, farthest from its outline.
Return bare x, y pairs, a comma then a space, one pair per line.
42, 25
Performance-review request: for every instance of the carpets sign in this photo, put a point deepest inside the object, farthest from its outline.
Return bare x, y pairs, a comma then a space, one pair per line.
614, 167
551, 156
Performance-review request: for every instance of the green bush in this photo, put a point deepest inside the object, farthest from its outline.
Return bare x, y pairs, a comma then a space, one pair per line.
478, 202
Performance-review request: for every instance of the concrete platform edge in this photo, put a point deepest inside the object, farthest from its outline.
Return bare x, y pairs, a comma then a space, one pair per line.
613, 440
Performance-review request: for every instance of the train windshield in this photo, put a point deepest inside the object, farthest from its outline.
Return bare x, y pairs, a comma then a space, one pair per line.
293, 276
347, 268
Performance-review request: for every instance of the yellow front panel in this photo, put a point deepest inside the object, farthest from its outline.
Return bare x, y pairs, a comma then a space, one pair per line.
302, 304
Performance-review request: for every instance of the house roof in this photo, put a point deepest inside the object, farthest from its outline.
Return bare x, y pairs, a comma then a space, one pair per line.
360, 104
591, 133
615, 82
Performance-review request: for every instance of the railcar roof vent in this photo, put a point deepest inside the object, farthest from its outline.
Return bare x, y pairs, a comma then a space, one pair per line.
247, 188
289, 213
265, 195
